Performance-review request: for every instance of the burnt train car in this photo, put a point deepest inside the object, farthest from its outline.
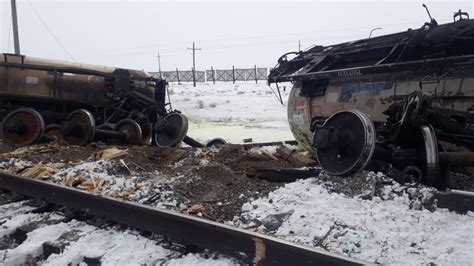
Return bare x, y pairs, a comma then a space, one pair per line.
405, 98
44, 99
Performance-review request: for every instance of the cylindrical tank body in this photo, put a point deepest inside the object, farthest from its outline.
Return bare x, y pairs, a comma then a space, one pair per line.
31, 82
371, 98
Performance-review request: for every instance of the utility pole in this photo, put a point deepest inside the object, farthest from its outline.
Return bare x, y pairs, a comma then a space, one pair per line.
299, 46
194, 63
16, 39
159, 65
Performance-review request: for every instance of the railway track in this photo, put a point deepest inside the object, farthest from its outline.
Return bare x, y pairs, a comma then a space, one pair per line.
250, 247
37, 233
188, 231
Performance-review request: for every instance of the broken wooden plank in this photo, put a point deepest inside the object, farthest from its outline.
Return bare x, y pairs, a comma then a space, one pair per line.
273, 157
108, 154
249, 146
296, 159
282, 174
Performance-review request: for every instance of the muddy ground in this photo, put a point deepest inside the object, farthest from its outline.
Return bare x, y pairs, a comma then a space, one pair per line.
208, 182
213, 178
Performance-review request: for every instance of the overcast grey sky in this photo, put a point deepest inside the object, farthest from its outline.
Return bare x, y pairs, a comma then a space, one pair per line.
130, 33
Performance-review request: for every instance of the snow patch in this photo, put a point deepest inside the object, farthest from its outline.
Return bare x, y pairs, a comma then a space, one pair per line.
385, 230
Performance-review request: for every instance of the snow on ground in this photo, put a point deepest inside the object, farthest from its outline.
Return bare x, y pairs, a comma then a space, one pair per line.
113, 245
125, 248
385, 230
233, 111
13, 215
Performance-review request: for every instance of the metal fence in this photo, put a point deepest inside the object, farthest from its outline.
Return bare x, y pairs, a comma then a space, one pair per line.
181, 76
226, 75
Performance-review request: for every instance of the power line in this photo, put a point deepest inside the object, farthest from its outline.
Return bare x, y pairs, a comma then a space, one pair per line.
276, 42
174, 44
176, 51
51, 32
212, 49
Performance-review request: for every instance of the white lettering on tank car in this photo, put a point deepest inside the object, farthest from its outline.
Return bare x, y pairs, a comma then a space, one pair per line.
298, 119
31, 80
349, 73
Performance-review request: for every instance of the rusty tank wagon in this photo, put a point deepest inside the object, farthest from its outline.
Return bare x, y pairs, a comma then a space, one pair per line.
44, 99
405, 99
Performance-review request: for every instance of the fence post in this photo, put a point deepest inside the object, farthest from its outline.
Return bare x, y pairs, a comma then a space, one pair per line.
213, 77
256, 78
177, 75
233, 74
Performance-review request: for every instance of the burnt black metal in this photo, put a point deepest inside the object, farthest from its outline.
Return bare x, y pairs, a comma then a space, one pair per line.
192, 142
410, 53
282, 174
456, 200
406, 70
258, 249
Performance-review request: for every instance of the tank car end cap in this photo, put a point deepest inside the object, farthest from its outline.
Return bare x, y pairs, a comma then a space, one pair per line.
345, 143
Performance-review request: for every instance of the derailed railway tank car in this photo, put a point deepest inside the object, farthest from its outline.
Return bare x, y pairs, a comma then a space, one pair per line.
42, 99
405, 98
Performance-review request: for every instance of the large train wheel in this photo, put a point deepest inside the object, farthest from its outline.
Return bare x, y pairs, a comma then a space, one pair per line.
170, 130
79, 128
430, 155
345, 143
215, 142
22, 126
131, 129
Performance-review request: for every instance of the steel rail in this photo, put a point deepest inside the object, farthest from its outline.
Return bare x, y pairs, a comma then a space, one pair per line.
455, 200
257, 248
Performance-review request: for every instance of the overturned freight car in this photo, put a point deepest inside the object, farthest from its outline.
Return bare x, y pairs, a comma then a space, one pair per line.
45, 99
405, 98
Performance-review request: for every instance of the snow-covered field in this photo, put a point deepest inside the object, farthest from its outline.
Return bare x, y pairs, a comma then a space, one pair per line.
233, 111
